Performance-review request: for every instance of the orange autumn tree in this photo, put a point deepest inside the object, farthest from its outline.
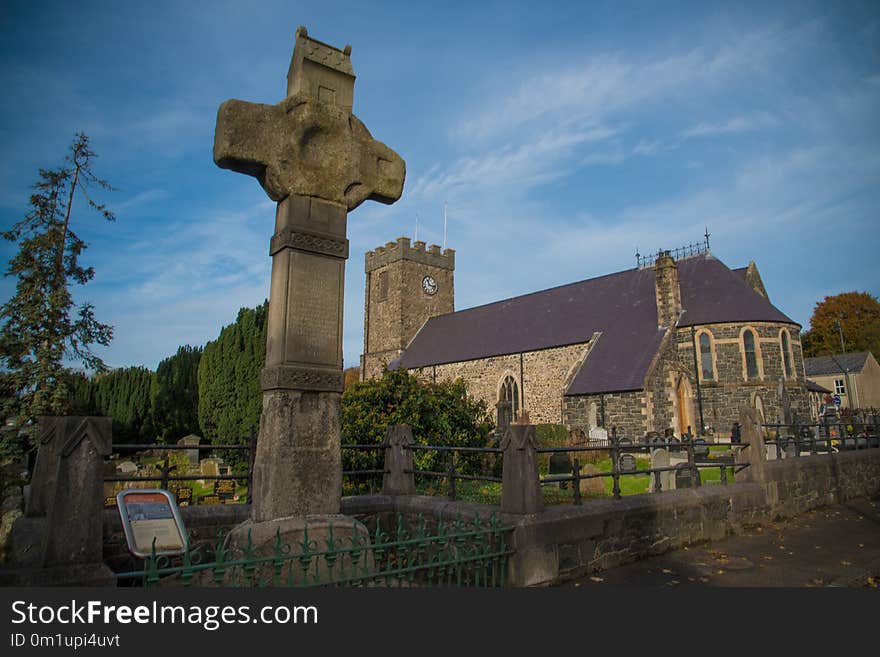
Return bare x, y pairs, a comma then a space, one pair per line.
859, 317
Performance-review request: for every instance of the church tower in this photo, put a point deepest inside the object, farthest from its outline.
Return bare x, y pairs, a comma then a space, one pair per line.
406, 286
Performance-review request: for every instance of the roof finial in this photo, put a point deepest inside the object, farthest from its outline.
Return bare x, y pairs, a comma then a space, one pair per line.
707, 235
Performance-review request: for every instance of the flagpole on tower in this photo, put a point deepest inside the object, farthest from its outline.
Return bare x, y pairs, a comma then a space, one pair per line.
445, 207
417, 228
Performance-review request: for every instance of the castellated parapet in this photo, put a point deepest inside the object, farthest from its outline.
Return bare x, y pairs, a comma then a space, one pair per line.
407, 284
401, 249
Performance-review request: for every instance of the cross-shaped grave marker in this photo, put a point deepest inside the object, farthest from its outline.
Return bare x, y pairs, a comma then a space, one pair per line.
318, 161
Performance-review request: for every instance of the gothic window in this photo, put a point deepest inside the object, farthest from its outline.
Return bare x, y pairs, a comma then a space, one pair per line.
510, 393
707, 366
787, 369
751, 355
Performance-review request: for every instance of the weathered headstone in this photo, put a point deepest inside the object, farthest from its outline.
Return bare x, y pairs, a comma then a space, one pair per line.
626, 463
577, 438
210, 467
594, 485
559, 466
701, 449
191, 454
126, 467
318, 161
660, 459
684, 476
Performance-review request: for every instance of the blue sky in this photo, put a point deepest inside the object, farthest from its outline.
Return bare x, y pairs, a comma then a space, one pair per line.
564, 136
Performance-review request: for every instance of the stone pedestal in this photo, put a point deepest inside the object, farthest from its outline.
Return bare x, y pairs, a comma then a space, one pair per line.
61, 543
755, 454
297, 466
301, 534
398, 478
520, 485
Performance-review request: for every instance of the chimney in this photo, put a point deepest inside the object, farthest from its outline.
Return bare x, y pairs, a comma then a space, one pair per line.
666, 290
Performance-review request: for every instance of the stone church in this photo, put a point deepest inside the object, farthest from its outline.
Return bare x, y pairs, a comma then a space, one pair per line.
675, 343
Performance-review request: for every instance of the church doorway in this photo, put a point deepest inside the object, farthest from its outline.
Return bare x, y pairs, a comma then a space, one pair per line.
683, 396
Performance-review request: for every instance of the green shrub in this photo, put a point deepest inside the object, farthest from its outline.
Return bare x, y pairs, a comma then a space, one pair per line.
439, 414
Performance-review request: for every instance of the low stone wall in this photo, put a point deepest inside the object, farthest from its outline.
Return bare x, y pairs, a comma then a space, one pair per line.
796, 485
564, 541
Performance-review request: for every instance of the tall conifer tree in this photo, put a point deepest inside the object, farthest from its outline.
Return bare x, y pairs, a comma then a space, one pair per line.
41, 325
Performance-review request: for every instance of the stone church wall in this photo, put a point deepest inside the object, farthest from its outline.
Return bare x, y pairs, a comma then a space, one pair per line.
655, 408
541, 376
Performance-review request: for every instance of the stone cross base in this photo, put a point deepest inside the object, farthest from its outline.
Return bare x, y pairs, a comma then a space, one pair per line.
346, 533
296, 469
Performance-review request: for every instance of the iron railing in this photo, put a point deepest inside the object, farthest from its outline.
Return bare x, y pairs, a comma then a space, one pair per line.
453, 473
842, 434
697, 459
457, 553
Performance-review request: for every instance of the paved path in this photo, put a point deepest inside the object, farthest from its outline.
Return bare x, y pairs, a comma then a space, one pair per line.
832, 546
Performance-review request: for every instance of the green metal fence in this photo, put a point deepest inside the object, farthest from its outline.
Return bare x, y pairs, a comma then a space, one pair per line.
451, 553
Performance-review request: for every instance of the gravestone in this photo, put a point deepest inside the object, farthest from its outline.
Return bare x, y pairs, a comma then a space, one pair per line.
598, 434
626, 463
594, 485
318, 162
660, 459
684, 477
210, 467
701, 449
191, 454
224, 489
183, 495
560, 465
126, 468
577, 438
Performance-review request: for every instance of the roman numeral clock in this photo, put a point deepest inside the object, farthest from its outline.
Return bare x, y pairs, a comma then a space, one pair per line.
429, 285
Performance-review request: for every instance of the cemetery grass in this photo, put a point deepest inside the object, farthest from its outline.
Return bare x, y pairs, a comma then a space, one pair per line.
480, 492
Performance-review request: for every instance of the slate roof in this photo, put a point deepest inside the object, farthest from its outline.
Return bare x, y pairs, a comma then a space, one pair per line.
620, 306
836, 364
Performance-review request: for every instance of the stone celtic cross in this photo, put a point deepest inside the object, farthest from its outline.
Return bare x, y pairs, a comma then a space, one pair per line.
317, 161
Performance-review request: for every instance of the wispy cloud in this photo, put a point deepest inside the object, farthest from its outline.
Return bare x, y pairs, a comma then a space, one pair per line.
733, 126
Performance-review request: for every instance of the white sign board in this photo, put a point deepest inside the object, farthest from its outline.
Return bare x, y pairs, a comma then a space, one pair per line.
148, 516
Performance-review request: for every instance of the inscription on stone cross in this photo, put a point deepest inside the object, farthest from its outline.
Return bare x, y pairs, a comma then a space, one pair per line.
318, 161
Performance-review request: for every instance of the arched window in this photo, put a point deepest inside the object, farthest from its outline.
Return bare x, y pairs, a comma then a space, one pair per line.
751, 355
707, 366
509, 393
787, 369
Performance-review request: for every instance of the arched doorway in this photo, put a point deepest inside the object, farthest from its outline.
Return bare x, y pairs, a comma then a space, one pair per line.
683, 397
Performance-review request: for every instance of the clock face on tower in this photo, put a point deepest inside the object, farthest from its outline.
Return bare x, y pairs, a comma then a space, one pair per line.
429, 285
